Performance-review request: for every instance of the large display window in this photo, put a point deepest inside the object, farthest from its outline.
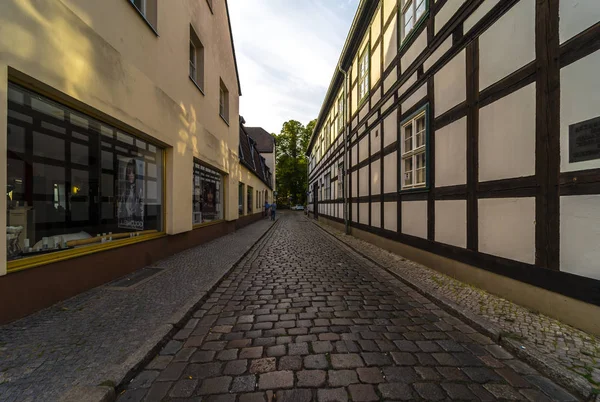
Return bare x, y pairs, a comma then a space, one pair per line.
207, 194
73, 181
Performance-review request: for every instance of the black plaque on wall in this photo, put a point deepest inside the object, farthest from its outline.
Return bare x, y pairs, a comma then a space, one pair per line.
584, 140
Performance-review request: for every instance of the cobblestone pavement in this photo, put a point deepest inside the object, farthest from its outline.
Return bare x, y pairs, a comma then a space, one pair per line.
101, 334
302, 318
569, 347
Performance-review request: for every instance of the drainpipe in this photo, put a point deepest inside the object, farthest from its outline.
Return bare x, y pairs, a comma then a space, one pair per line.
345, 169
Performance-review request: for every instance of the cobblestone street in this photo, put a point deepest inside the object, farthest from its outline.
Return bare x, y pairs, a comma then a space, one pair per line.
301, 318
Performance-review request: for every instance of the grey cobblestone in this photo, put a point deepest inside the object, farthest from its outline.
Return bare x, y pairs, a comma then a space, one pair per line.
390, 342
577, 351
92, 338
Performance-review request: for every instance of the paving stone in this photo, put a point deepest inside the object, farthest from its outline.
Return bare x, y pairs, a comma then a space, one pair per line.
513, 378
452, 374
345, 361
297, 348
276, 351
503, 391
253, 397
429, 391
228, 354
219, 398
235, 367
246, 383
311, 378
184, 354
262, 365
534, 395
251, 353
549, 388
370, 375
172, 372
376, 359
322, 346
406, 375
290, 363
158, 391
481, 374
332, 395
403, 358
276, 379
499, 352
159, 362
342, 378
458, 391
204, 370
239, 343
216, 385
183, 388
294, 395
362, 392
316, 362
171, 348
144, 379
397, 391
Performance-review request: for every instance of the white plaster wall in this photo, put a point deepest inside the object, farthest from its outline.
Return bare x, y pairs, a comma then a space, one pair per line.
390, 43
576, 16
414, 218
414, 98
375, 27
390, 80
390, 216
579, 101
363, 216
478, 14
507, 45
450, 84
375, 96
376, 214
375, 65
407, 84
507, 136
451, 154
364, 109
414, 51
507, 228
376, 139
451, 222
354, 155
376, 177
363, 148
387, 105
446, 12
363, 181
390, 128
438, 53
580, 235
354, 177
389, 6
390, 173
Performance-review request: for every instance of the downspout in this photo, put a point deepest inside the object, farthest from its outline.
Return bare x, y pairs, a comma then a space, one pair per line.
345, 169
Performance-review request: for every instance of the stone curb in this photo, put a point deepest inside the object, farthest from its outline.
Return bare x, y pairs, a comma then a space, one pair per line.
144, 354
531, 355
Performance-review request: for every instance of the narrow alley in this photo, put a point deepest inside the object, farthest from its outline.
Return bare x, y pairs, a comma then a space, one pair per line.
302, 317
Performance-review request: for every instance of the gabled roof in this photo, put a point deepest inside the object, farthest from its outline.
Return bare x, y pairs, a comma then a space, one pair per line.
264, 141
251, 158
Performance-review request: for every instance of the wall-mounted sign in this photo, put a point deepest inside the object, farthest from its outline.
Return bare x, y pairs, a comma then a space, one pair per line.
584, 140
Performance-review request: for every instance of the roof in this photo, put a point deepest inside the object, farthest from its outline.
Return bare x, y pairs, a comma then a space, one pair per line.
360, 24
237, 74
251, 158
264, 141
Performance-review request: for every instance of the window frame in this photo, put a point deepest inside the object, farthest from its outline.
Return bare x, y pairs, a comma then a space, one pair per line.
223, 101
143, 13
414, 153
405, 36
365, 54
198, 62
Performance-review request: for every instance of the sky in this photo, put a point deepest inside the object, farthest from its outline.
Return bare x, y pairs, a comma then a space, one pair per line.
287, 52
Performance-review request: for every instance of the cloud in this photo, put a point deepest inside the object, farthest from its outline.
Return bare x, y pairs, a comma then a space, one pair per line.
287, 51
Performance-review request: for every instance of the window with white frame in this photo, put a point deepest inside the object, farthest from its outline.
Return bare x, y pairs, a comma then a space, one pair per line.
327, 195
340, 113
148, 9
411, 13
414, 151
196, 59
224, 102
340, 180
363, 74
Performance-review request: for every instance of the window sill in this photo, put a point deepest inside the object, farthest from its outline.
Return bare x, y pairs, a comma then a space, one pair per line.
197, 86
143, 17
224, 119
205, 224
45, 259
414, 190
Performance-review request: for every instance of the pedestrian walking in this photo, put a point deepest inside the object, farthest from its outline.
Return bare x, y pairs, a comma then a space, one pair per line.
267, 206
273, 209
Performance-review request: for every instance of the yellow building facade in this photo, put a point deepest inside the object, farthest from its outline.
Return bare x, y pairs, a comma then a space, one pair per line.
119, 123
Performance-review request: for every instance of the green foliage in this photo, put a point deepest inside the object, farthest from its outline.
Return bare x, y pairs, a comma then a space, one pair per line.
292, 143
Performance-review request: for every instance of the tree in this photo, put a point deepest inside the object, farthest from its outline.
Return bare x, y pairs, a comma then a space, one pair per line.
292, 143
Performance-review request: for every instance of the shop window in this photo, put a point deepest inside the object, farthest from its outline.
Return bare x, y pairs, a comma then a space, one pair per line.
241, 199
414, 151
249, 203
207, 194
196, 60
224, 102
74, 182
411, 13
363, 75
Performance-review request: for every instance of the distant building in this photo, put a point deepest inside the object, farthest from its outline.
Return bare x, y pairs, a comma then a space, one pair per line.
120, 135
472, 144
265, 143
